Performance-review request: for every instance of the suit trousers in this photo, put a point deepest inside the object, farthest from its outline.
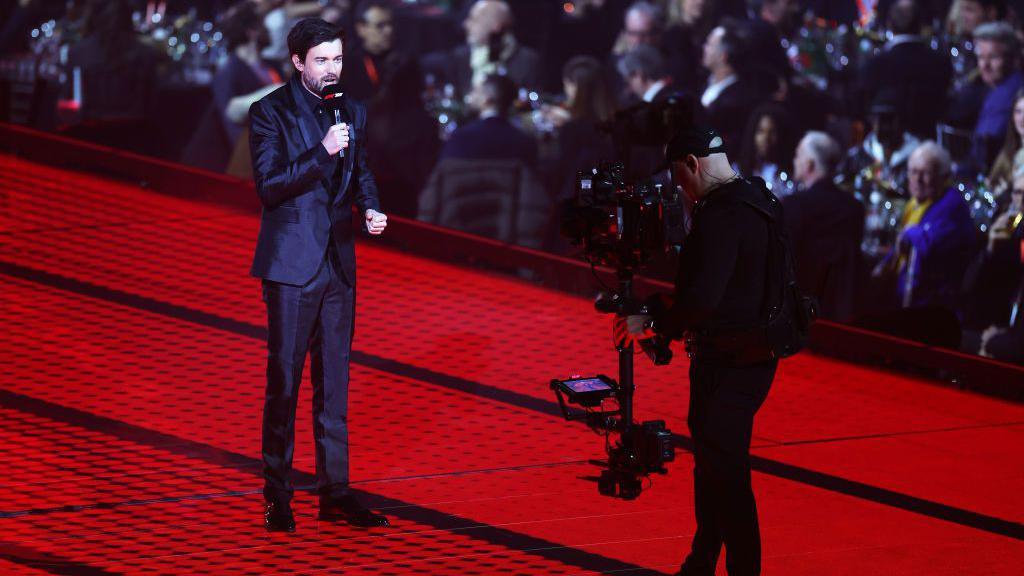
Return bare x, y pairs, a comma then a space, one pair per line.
317, 318
723, 401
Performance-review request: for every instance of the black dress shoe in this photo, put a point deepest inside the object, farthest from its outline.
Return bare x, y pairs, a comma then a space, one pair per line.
278, 517
349, 509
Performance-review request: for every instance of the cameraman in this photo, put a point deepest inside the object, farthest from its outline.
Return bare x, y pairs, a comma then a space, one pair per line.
719, 293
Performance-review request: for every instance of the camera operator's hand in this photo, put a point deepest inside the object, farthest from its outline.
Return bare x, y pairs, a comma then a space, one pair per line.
639, 325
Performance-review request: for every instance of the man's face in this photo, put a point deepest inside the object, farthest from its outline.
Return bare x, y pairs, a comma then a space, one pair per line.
639, 29
322, 65
713, 55
924, 177
802, 163
376, 30
993, 61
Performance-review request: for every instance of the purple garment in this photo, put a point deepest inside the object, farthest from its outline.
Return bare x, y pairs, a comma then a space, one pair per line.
997, 108
944, 242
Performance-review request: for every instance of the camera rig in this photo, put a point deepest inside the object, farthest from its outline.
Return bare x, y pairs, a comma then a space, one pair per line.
622, 225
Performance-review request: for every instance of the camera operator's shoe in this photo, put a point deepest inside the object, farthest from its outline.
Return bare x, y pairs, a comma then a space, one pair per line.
277, 517
350, 510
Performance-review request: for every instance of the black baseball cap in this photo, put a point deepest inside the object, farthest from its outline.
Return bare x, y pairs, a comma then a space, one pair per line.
701, 142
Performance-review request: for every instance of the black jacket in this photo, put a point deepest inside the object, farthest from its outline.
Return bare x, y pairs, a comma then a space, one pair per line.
722, 271
293, 174
824, 226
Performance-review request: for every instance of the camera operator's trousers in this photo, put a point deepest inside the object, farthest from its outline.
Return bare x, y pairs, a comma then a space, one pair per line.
723, 401
315, 318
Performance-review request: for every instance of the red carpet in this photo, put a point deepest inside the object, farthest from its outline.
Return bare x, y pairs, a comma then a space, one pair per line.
132, 356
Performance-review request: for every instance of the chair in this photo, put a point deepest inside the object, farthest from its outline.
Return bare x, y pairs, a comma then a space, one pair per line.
499, 199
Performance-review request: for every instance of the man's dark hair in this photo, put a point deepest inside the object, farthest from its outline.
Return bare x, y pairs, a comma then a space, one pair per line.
500, 90
736, 43
310, 32
905, 18
365, 6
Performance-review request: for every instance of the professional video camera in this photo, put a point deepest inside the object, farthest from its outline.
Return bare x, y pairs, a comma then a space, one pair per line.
623, 225
620, 224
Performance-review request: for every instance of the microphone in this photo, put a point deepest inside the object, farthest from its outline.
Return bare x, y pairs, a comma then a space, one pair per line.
333, 101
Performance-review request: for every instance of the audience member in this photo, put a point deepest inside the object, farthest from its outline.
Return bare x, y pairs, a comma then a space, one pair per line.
589, 102
1000, 177
643, 25
644, 71
918, 76
220, 143
825, 225
884, 153
729, 97
768, 145
118, 77
373, 60
985, 105
491, 48
689, 23
401, 165
937, 238
492, 136
994, 278
486, 181
965, 16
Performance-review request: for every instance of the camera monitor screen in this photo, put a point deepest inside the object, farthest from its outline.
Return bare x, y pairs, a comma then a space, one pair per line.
584, 385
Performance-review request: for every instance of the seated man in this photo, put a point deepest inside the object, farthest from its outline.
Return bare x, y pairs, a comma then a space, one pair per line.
485, 182
937, 238
986, 105
919, 76
372, 62
492, 136
881, 159
491, 48
824, 225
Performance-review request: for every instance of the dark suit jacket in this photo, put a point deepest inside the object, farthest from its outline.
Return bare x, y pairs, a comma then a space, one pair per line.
825, 225
293, 172
356, 76
523, 68
728, 114
493, 138
919, 78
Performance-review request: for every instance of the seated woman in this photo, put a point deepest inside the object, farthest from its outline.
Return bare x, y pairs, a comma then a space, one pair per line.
768, 146
1000, 177
588, 102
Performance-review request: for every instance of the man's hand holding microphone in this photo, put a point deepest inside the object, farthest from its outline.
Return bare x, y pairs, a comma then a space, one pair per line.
336, 138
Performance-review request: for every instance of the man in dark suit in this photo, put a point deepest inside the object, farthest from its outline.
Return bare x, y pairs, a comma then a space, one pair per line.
825, 225
491, 48
730, 95
492, 137
919, 76
374, 61
309, 172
